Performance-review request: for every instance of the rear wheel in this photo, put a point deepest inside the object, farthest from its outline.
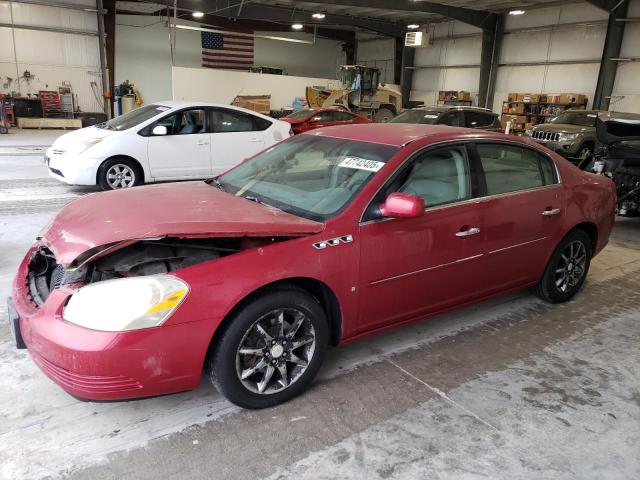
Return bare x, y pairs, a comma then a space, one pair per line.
567, 268
271, 350
383, 115
4, 130
118, 173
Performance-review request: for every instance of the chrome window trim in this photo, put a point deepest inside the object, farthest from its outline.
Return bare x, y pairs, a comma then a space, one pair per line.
469, 200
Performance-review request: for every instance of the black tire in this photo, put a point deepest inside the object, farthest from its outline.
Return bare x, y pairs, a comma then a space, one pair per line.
4, 130
224, 369
105, 169
548, 288
383, 115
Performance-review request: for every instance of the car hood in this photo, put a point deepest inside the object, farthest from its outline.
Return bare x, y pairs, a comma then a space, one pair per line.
111, 220
71, 139
611, 130
562, 128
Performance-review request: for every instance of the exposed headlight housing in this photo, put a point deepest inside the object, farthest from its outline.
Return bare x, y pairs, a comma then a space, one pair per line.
126, 303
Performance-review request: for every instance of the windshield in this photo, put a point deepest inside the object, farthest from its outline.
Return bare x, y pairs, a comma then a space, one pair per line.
417, 116
133, 118
309, 176
301, 114
576, 118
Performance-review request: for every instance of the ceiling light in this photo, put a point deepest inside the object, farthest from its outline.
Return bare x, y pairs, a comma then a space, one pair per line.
318, 16
297, 26
413, 26
516, 12
197, 14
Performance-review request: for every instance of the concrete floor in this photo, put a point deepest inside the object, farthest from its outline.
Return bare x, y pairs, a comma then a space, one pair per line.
511, 388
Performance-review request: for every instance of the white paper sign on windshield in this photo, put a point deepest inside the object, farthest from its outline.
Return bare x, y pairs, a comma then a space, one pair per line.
361, 164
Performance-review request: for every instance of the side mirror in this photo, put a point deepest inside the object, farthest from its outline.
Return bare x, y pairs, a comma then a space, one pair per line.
159, 130
314, 119
402, 205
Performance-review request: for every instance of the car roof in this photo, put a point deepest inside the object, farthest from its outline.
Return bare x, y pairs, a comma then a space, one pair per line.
446, 108
400, 134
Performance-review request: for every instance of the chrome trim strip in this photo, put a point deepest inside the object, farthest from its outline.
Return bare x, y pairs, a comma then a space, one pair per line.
517, 245
402, 275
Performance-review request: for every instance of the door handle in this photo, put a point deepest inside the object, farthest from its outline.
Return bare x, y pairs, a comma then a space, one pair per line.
202, 142
551, 212
468, 233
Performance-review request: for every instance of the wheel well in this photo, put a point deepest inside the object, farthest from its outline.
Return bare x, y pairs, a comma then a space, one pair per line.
589, 143
125, 157
321, 292
591, 230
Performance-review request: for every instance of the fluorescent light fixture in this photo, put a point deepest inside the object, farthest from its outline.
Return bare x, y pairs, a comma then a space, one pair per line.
413, 26
197, 14
516, 12
238, 34
297, 26
318, 16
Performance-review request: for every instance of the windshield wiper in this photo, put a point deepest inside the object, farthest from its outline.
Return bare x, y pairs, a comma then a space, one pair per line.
255, 199
218, 184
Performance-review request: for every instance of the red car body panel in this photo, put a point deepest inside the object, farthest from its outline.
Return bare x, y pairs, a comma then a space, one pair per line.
393, 272
305, 124
189, 209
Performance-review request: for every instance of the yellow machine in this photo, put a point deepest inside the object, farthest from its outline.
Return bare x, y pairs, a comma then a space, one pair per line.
360, 93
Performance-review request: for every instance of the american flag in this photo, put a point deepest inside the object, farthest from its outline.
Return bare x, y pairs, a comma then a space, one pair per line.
231, 50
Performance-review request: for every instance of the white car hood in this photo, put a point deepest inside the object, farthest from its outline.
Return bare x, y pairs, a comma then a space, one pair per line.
68, 140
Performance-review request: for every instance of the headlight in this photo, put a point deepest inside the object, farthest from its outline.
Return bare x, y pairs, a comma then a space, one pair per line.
81, 147
126, 303
568, 137
528, 132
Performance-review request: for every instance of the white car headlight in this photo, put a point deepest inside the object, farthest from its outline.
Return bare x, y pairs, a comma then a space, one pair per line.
126, 303
567, 137
85, 145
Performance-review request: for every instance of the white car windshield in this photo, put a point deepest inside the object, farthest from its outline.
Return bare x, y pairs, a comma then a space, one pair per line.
310, 176
134, 117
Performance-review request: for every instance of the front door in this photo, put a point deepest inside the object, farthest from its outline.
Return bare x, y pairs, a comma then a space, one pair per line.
185, 152
235, 137
522, 213
410, 267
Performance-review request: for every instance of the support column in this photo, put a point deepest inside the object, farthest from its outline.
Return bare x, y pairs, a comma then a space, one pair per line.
110, 46
406, 74
489, 60
608, 67
103, 58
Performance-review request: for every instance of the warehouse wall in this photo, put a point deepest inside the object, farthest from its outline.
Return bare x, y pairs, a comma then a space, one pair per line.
626, 90
377, 52
143, 55
50, 57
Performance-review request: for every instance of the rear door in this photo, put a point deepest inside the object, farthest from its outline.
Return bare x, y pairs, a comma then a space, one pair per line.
522, 212
235, 136
185, 152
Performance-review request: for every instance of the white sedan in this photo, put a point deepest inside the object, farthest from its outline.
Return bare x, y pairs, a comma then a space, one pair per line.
160, 142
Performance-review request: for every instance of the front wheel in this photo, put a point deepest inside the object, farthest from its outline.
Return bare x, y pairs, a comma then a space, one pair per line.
118, 173
271, 349
567, 268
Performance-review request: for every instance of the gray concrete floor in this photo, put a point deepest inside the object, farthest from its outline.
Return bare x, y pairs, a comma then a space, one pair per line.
510, 388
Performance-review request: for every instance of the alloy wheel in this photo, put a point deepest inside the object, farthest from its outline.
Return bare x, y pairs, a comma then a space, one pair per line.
571, 267
121, 176
275, 351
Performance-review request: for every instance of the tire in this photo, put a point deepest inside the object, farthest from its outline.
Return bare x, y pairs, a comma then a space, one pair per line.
4, 130
383, 115
129, 169
228, 366
549, 288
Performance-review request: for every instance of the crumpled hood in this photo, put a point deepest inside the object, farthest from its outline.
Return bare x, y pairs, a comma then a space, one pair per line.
187, 209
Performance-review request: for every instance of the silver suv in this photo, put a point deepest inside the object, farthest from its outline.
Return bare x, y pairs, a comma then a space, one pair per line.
572, 134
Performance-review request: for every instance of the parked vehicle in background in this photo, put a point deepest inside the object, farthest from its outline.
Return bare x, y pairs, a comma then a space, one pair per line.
619, 158
308, 119
160, 142
572, 134
327, 237
454, 116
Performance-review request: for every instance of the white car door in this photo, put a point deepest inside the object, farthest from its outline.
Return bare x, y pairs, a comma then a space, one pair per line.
236, 136
185, 151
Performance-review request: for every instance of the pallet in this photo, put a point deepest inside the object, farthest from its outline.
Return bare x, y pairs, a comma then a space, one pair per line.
40, 123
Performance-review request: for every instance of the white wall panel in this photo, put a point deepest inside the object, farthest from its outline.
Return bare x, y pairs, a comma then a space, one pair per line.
40, 15
5, 13
6, 45
626, 90
525, 47
380, 54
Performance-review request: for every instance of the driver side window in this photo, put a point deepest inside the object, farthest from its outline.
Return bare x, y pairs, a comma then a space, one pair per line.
187, 122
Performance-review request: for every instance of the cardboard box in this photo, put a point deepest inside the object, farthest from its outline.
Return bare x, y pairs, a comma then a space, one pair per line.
257, 103
516, 108
520, 97
531, 98
517, 121
512, 97
464, 95
505, 107
567, 98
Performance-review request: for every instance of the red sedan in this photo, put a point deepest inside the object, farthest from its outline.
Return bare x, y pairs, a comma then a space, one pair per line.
304, 120
325, 238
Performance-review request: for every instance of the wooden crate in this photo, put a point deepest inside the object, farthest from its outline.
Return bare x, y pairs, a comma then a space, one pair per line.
40, 123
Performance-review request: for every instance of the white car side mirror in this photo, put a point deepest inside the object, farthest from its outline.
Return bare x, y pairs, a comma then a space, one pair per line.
159, 130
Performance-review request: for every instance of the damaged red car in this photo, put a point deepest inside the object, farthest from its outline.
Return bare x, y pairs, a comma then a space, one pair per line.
323, 239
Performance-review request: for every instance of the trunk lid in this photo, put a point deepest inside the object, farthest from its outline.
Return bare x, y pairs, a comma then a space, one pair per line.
187, 210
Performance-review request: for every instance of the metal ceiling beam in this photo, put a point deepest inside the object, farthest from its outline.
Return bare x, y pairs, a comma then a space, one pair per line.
255, 11
607, 5
477, 18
